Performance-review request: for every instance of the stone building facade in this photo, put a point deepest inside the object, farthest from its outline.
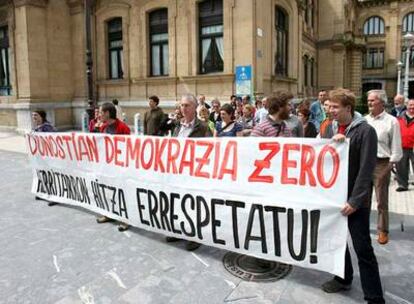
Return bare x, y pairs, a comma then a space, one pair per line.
171, 47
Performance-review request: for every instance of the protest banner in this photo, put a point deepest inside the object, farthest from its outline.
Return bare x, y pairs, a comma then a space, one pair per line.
272, 198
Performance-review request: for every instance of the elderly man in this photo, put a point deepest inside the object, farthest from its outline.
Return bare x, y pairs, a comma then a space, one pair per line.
362, 157
189, 126
399, 106
389, 154
406, 122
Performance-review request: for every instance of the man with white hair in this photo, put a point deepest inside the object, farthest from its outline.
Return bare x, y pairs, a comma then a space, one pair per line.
389, 154
189, 126
399, 106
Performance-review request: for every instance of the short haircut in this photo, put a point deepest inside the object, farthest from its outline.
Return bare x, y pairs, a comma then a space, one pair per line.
343, 96
190, 97
228, 109
279, 100
322, 90
109, 107
381, 94
233, 96
42, 114
115, 101
247, 97
155, 99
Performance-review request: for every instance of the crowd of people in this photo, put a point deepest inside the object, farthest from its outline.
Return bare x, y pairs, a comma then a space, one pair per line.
379, 143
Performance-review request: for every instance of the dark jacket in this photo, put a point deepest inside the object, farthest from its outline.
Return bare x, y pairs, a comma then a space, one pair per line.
396, 113
200, 129
310, 130
152, 121
45, 127
211, 117
362, 160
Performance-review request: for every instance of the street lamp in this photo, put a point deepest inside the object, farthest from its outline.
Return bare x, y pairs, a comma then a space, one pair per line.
88, 4
399, 67
409, 42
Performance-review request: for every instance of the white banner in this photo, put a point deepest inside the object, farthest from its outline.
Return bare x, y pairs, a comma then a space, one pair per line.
272, 198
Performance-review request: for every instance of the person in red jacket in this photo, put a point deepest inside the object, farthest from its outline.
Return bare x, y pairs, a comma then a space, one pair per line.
407, 138
112, 125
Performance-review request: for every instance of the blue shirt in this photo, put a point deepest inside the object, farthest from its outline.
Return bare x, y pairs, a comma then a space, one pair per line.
317, 114
232, 132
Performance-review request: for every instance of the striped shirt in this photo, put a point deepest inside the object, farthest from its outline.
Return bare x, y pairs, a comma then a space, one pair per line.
270, 128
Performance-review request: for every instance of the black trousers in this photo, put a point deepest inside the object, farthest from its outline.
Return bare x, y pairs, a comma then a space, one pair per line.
358, 225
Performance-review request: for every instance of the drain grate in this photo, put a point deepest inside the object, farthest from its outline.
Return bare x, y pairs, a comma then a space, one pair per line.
253, 269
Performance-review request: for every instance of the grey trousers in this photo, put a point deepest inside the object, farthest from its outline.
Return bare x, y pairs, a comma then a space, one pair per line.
403, 167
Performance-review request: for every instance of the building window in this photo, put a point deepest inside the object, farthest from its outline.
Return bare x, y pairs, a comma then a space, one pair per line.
404, 54
374, 26
281, 56
5, 88
115, 58
305, 71
408, 23
312, 73
374, 59
158, 23
211, 36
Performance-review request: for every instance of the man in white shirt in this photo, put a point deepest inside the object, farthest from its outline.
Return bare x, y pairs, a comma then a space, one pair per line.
389, 153
261, 114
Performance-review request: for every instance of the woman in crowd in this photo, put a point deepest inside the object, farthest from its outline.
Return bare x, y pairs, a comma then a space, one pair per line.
204, 116
96, 123
247, 120
227, 126
40, 124
308, 127
238, 114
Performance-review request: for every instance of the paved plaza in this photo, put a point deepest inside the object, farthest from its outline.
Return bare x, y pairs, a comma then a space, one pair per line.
60, 255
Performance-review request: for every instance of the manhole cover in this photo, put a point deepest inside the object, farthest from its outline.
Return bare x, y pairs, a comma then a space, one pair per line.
252, 269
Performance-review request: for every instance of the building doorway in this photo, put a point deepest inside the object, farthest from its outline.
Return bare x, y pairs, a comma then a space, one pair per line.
368, 86
411, 89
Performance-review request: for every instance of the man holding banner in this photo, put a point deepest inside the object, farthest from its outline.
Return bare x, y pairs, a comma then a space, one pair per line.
362, 160
112, 125
189, 126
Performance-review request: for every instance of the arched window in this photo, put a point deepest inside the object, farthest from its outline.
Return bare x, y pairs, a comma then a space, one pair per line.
115, 48
158, 29
305, 71
5, 88
374, 26
408, 23
282, 33
211, 45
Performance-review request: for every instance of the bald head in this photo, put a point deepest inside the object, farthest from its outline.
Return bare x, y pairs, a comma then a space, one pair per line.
398, 100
